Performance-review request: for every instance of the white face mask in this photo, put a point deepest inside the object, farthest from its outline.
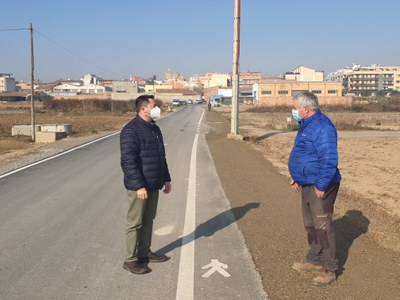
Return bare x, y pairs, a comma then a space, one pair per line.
155, 113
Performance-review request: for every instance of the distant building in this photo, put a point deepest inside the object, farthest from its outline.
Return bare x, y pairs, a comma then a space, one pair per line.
216, 79
24, 86
166, 85
280, 92
86, 86
339, 75
7, 83
169, 75
139, 80
302, 73
124, 90
364, 80
248, 77
168, 94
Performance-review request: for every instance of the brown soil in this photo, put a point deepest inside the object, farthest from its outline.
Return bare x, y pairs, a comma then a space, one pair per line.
83, 124
369, 161
366, 228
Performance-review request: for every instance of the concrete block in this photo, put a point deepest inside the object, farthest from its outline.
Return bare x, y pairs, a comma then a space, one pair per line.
24, 130
49, 137
67, 128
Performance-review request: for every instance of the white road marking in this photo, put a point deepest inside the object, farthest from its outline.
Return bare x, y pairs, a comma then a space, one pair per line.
57, 155
165, 230
215, 266
185, 287
65, 152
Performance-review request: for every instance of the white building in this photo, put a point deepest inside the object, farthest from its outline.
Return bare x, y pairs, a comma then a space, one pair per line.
7, 83
87, 86
339, 75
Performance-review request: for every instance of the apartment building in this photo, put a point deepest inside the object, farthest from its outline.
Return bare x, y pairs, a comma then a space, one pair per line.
248, 77
7, 83
364, 80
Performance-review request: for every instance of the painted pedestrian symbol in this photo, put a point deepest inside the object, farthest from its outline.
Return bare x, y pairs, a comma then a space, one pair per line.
215, 266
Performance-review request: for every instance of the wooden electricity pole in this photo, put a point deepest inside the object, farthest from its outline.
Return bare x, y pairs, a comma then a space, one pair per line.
235, 71
32, 88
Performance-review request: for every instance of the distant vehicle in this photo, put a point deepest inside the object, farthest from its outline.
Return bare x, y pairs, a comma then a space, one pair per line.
183, 102
216, 100
199, 101
190, 101
176, 102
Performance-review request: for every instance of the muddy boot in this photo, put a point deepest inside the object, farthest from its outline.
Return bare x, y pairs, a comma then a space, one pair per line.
324, 278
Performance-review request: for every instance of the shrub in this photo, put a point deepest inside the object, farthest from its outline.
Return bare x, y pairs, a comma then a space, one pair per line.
93, 105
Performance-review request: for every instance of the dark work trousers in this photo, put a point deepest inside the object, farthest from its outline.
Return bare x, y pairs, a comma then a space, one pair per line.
317, 218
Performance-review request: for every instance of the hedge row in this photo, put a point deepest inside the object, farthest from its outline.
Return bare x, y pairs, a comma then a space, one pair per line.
93, 105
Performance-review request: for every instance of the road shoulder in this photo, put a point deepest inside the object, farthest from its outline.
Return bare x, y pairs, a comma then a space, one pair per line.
274, 232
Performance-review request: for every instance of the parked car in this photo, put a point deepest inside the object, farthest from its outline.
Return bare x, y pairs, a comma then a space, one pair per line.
176, 102
183, 102
190, 101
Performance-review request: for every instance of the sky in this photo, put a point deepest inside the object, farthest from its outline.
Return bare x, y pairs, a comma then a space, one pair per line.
120, 38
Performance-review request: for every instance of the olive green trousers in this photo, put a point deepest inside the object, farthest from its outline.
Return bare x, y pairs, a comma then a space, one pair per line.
139, 227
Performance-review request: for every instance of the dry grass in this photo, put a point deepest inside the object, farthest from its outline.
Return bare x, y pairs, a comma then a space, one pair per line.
277, 118
83, 122
87, 117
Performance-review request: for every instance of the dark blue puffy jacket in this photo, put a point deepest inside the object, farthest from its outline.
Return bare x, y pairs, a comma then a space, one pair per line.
314, 157
143, 156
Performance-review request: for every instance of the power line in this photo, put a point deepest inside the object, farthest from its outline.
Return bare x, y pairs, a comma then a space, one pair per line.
13, 29
76, 55
64, 48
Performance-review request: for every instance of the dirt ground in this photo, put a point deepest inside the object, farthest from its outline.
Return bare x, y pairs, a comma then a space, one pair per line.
369, 161
83, 124
366, 228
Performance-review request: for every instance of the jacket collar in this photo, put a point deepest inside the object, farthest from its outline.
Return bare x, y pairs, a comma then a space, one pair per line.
140, 119
305, 122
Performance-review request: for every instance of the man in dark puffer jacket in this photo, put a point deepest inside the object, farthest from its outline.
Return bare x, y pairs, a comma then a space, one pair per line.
145, 173
313, 166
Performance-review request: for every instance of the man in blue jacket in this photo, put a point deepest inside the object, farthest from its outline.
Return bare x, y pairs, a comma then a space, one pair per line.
145, 173
313, 166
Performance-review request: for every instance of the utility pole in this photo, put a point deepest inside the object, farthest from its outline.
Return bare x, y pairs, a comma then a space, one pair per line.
235, 71
32, 88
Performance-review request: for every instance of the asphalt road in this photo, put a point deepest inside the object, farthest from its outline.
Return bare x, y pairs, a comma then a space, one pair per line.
62, 226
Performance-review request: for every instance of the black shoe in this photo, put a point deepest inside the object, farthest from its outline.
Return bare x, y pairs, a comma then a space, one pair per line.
136, 267
158, 258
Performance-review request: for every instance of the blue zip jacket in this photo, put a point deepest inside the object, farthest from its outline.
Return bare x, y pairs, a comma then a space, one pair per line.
143, 156
314, 157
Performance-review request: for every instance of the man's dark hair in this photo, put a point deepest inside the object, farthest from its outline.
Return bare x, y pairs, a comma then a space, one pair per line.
142, 101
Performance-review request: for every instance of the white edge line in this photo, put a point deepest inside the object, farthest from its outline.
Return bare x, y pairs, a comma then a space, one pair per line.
56, 155
65, 152
185, 285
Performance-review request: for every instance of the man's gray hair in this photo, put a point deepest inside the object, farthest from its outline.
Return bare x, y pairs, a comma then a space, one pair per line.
307, 99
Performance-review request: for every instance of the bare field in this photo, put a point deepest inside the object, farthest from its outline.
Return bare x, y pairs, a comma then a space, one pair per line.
83, 124
369, 161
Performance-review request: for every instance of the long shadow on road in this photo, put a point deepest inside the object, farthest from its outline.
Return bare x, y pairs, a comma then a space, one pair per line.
211, 226
348, 228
